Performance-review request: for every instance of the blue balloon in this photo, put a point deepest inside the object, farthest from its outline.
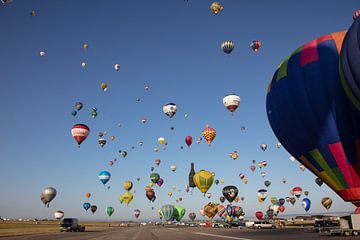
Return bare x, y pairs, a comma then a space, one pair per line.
306, 203
86, 206
74, 113
104, 177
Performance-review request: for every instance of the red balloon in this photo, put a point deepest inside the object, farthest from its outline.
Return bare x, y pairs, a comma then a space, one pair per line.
282, 208
188, 140
157, 162
80, 132
259, 215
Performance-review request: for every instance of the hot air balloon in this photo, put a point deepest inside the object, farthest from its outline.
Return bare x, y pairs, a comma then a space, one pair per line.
192, 216
170, 109
297, 191
262, 195
128, 185
292, 158
179, 213
104, 177
188, 140
86, 206
302, 167
80, 132
104, 86
241, 176
59, 215
93, 209
74, 113
47, 195
161, 140
168, 212
281, 208
306, 203
326, 202
127, 197
211, 209
283, 180
274, 200
150, 194
157, 162
222, 199
123, 153
262, 174
154, 177
326, 142
259, 215
263, 146
208, 195
231, 102
278, 145
160, 182
42, 53
267, 183
230, 193
227, 47
234, 155
252, 168
111, 163
349, 62
203, 180
255, 45
281, 201
319, 181
173, 168
216, 7
292, 200
109, 211
79, 105
209, 134
83, 64
117, 67
217, 181
245, 180
102, 142
306, 193
137, 213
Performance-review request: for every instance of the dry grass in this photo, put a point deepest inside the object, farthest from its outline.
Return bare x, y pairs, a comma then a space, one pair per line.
15, 228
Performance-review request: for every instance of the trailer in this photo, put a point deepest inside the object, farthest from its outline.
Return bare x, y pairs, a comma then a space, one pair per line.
349, 226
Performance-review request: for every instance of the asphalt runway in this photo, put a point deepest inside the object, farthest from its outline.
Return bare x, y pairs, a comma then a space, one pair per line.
187, 233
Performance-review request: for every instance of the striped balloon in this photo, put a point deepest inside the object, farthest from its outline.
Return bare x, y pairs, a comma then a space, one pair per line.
80, 132
104, 177
227, 46
203, 180
168, 212
326, 202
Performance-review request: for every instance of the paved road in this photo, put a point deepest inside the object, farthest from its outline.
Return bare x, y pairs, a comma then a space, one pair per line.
177, 233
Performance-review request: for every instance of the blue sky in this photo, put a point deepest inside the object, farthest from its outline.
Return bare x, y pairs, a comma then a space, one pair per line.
174, 48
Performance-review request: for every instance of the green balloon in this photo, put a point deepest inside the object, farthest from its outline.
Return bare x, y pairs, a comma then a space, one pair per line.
179, 213
154, 177
109, 211
167, 212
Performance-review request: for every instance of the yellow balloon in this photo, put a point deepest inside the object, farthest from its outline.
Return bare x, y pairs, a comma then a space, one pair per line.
104, 86
161, 140
169, 194
203, 180
127, 197
128, 185
222, 181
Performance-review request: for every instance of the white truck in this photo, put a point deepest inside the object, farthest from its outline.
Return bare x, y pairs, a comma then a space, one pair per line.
349, 226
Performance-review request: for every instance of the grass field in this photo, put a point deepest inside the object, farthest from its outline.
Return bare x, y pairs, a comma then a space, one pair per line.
15, 228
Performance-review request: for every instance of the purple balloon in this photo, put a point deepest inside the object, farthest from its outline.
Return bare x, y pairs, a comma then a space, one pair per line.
160, 182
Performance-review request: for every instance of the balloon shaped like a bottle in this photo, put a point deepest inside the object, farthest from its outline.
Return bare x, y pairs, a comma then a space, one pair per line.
313, 117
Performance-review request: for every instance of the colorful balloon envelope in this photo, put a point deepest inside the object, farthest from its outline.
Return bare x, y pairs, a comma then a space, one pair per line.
252, 168
188, 140
292, 200
179, 213
259, 215
104, 177
281, 208
209, 134
150, 194
79, 105
80, 132
88, 195
192, 216
326, 143
173, 168
104, 86
326, 202
297, 191
263, 146
154, 177
319, 181
262, 195
167, 212
128, 185
86, 206
216, 7
306, 204
230, 193
231, 102
255, 45
211, 209
241, 176
234, 155
170, 109
267, 183
227, 47
109, 211
203, 180
59, 215
93, 209
157, 162
137, 213
281, 201
127, 197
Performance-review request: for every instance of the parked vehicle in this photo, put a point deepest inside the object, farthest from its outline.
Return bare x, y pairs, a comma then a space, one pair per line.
348, 225
321, 223
263, 224
71, 225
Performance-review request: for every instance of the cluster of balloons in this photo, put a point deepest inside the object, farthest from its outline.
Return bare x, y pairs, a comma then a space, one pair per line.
170, 212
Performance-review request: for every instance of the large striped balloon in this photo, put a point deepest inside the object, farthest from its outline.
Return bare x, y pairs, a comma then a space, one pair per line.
203, 180
312, 117
168, 212
80, 132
